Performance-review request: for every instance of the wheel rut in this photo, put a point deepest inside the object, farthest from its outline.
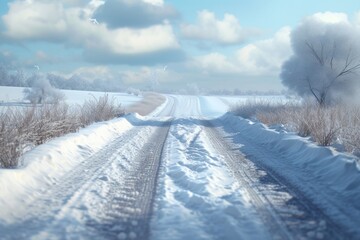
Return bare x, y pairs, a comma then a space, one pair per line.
108, 196
132, 201
284, 211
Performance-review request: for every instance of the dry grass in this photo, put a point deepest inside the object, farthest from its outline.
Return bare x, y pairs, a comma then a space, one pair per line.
99, 109
37, 124
326, 125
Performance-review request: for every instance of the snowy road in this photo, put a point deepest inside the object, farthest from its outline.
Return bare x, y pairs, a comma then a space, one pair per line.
184, 172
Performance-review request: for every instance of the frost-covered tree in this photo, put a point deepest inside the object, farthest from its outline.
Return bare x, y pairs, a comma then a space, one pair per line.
41, 91
133, 91
325, 61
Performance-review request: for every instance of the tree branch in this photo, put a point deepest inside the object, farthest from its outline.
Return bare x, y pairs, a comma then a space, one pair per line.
316, 55
312, 90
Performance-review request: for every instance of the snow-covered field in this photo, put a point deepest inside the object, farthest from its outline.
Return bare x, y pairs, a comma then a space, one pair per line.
220, 177
231, 100
14, 96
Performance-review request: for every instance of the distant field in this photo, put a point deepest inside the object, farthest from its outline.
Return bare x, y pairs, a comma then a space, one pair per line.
13, 96
231, 100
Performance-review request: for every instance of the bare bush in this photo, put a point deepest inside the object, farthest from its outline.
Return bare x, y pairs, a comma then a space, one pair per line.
323, 125
326, 125
349, 133
37, 124
263, 110
10, 142
101, 109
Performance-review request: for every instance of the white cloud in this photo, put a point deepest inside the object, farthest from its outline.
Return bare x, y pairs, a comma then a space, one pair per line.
154, 2
330, 17
357, 18
266, 56
128, 41
208, 28
260, 58
77, 2
133, 13
33, 20
51, 21
216, 62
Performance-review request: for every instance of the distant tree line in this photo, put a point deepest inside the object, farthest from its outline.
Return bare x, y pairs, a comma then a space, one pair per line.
20, 79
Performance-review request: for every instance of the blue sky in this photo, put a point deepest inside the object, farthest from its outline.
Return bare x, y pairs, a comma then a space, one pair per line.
263, 13
209, 44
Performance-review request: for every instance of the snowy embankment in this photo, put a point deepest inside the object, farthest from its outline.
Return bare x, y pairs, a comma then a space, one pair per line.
44, 164
326, 177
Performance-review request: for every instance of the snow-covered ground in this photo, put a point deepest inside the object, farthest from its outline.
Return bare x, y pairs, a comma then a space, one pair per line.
220, 177
231, 100
14, 96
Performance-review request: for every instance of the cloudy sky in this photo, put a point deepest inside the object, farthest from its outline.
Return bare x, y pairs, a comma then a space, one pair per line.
211, 43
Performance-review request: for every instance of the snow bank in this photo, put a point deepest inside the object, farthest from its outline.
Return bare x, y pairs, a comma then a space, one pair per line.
338, 170
160, 108
325, 175
212, 106
43, 165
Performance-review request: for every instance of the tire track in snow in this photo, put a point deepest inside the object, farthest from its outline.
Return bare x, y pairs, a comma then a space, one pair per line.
197, 198
283, 209
109, 196
132, 200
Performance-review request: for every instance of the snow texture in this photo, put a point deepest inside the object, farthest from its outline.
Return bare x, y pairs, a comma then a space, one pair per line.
197, 196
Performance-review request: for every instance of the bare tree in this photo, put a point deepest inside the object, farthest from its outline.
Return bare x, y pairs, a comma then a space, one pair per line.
337, 70
325, 62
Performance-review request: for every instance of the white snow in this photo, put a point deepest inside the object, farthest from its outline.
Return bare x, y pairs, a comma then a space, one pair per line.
14, 96
212, 107
329, 178
44, 164
231, 100
197, 197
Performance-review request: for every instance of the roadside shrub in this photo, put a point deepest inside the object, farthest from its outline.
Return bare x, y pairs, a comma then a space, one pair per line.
255, 108
10, 142
24, 128
349, 132
325, 125
99, 109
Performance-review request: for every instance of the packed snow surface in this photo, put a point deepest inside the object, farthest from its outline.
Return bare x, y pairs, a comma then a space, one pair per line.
197, 194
